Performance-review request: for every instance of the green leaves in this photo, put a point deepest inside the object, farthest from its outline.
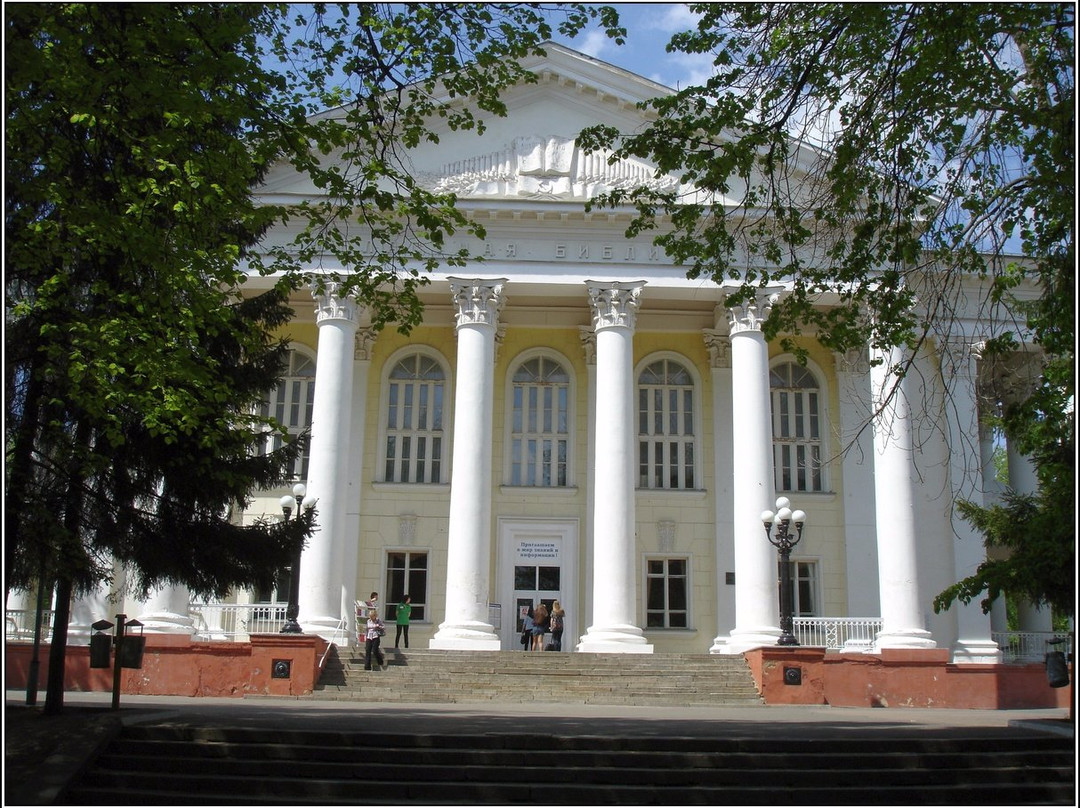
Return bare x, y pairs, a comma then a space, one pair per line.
136, 139
890, 160
934, 126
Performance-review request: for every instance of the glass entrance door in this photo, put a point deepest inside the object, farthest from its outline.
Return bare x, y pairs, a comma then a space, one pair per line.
534, 585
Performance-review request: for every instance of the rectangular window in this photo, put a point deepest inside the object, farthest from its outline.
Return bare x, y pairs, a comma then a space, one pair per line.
667, 593
804, 588
406, 574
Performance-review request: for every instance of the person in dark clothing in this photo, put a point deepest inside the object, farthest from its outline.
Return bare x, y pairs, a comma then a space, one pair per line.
404, 610
558, 617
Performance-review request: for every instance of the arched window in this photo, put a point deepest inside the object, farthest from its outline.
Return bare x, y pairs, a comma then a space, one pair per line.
667, 425
540, 423
415, 439
797, 428
290, 405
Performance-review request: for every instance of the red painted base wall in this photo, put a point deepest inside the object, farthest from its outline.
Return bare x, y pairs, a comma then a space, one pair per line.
173, 665
899, 678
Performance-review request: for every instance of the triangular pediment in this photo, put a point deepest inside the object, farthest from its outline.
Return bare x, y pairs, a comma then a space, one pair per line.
532, 152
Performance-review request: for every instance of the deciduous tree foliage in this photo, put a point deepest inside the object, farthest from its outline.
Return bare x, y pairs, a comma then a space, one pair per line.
135, 135
876, 159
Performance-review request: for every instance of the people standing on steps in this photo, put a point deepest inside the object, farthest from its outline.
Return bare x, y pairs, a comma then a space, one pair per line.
558, 618
540, 619
372, 602
404, 609
527, 628
373, 640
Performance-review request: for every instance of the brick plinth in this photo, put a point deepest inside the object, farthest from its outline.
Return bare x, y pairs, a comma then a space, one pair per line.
899, 678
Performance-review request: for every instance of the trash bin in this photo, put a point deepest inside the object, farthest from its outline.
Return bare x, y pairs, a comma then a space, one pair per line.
1057, 672
100, 645
131, 651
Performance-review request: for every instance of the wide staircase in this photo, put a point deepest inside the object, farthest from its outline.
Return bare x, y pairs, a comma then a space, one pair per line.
519, 677
193, 765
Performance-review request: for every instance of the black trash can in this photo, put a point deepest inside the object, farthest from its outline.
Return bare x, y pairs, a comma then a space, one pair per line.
131, 652
1057, 672
100, 645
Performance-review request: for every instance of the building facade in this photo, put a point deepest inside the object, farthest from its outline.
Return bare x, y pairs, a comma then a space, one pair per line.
575, 419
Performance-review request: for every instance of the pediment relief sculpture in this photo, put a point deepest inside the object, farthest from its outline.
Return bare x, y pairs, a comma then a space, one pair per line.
544, 167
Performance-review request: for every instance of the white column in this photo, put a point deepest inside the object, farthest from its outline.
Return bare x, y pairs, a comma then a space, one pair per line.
719, 347
166, 612
894, 491
364, 345
468, 552
992, 491
588, 344
1024, 480
88, 609
960, 372
322, 577
857, 469
614, 567
757, 607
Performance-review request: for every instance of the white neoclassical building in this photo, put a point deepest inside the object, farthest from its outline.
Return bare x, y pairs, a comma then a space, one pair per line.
577, 420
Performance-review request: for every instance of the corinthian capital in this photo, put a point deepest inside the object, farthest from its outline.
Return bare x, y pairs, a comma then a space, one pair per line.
614, 304
333, 306
477, 301
751, 314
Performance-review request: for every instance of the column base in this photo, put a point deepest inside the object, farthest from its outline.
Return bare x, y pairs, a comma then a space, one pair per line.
465, 637
166, 623
623, 639
905, 638
77, 635
745, 639
329, 628
976, 652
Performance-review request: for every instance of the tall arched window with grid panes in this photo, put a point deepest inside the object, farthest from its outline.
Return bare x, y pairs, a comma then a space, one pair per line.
290, 405
540, 423
415, 444
667, 426
797, 427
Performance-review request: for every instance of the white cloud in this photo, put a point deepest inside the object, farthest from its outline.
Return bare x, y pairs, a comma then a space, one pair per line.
676, 17
595, 44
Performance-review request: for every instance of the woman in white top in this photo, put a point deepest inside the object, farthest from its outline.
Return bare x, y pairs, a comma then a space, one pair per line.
373, 639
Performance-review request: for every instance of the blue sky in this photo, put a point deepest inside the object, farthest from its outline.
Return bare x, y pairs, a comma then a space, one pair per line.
649, 26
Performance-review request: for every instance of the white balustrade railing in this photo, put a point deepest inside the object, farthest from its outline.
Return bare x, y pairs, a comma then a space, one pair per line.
1030, 646
227, 622
19, 625
836, 633
236, 621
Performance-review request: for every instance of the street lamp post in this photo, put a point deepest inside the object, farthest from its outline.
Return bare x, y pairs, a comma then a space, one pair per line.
287, 505
784, 541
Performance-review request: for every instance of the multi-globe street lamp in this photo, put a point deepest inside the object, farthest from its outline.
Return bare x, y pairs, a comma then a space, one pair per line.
291, 504
784, 541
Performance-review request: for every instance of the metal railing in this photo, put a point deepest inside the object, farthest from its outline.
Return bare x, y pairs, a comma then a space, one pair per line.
225, 622
1030, 646
837, 633
19, 625
340, 632
232, 622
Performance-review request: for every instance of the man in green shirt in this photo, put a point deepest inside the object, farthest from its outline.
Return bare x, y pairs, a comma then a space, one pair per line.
404, 609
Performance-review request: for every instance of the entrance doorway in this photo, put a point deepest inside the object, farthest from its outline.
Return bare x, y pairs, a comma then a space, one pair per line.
534, 585
538, 564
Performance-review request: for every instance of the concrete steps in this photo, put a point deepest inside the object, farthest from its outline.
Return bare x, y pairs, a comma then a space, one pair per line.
521, 677
157, 765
